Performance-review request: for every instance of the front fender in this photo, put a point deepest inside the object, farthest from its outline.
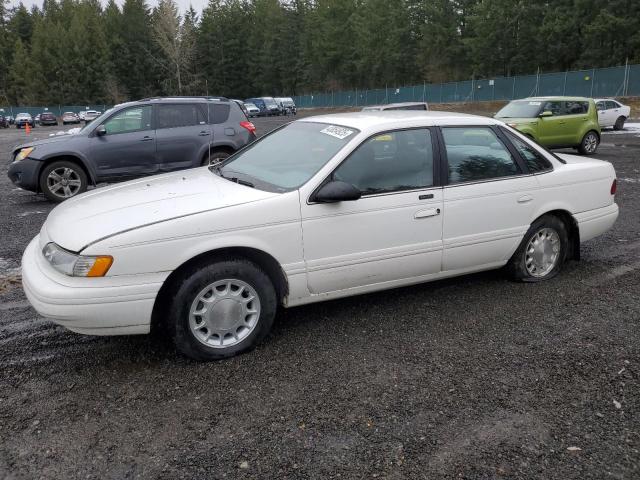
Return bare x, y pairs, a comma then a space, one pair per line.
78, 156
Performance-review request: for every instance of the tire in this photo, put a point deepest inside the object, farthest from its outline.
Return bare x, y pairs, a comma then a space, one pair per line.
202, 337
619, 125
215, 157
76, 180
528, 266
589, 143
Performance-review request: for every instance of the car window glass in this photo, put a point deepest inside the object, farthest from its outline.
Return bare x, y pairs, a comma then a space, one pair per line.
179, 115
611, 105
601, 105
400, 160
219, 112
576, 108
557, 108
129, 120
476, 153
535, 161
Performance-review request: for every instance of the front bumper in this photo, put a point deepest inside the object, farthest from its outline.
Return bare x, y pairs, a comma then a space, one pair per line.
120, 305
24, 174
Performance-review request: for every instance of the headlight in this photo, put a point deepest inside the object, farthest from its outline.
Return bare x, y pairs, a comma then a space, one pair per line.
76, 265
24, 153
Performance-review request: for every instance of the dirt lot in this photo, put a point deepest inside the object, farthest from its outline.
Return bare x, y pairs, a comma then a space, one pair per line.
473, 378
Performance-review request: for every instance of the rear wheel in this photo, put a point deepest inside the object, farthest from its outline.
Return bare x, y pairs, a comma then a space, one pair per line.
542, 251
215, 158
62, 180
222, 309
589, 143
619, 125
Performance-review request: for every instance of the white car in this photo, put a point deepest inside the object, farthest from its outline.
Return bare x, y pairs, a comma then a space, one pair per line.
397, 106
612, 113
322, 208
252, 110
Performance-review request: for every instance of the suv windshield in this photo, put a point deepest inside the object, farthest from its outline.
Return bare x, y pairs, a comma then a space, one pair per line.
287, 158
521, 109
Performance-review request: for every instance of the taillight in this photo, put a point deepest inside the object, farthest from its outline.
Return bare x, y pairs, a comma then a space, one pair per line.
249, 126
614, 187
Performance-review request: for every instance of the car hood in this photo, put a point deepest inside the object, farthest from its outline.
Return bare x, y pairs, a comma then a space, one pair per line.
44, 141
108, 211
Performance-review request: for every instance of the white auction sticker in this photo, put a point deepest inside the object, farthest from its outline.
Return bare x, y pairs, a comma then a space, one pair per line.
537, 104
338, 132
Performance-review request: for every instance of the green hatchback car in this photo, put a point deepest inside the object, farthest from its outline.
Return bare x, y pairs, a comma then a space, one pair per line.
556, 122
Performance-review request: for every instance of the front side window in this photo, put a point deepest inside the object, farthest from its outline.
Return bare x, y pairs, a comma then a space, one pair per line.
601, 105
179, 115
393, 161
287, 158
129, 120
535, 161
476, 154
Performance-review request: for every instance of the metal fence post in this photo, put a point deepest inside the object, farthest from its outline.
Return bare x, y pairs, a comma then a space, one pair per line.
424, 91
564, 87
513, 89
593, 74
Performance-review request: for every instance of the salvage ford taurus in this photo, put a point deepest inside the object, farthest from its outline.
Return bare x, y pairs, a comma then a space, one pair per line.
321, 208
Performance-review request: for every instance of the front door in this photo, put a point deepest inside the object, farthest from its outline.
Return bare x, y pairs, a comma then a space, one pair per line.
182, 133
555, 130
394, 232
488, 199
128, 149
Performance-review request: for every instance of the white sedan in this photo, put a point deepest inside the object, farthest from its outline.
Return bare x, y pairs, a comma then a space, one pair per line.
322, 208
612, 113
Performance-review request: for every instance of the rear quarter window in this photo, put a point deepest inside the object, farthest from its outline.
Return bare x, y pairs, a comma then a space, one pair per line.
219, 112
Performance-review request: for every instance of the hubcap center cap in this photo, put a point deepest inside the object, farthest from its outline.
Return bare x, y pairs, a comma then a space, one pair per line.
225, 314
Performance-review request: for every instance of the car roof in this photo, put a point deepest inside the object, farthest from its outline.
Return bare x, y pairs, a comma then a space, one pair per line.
607, 99
575, 99
383, 120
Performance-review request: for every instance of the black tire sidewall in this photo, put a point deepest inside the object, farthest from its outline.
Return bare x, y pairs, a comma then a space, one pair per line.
619, 125
192, 282
517, 265
58, 164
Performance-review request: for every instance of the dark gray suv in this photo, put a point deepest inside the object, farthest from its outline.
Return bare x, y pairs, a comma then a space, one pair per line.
132, 140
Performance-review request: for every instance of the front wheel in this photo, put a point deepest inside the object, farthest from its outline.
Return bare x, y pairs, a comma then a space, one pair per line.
589, 143
62, 180
542, 251
222, 309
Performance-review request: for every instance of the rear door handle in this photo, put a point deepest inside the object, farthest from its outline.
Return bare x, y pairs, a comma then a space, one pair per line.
429, 212
204, 134
525, 199
146, 139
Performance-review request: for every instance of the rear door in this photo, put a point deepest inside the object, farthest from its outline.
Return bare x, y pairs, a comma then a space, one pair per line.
613, 112
576, 118
182, 132
128, 149
603, 119
489, 198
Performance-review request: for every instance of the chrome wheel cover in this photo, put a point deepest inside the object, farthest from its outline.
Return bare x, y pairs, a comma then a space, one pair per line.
63, 182
224, 313
542, 252
591, 143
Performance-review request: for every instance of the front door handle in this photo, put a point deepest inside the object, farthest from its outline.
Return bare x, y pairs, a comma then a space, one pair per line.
204, 134
429, 212
525, 199
146, 139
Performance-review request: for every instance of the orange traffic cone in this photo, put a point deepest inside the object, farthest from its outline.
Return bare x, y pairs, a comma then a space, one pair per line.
27, 128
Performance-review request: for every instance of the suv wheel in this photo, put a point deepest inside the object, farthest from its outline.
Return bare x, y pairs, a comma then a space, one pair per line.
589, 143
619, 125
215, 158
221, 309
62, 180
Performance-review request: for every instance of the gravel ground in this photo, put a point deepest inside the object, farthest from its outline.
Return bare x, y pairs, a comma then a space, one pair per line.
475, 377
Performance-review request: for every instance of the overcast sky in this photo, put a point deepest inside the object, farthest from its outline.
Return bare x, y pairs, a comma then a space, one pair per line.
198, 5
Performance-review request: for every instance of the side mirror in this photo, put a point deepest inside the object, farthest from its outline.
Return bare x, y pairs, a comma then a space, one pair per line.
546, 113
337, 191
101, 131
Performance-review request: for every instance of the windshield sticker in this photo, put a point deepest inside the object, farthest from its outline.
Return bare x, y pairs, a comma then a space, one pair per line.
338, 132
537, 104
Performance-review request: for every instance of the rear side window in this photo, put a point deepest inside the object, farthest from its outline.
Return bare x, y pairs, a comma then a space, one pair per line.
576, 108
611, 104
476, 154
219, 112
534, 159
179, 115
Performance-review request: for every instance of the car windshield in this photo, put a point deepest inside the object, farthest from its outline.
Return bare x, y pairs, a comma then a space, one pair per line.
521, 109
287, 158
270, 102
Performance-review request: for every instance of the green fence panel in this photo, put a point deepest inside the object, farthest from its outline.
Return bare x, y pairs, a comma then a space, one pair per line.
580, 83
525, 86
503, 88
551, 84
483, 90
633, 80
609, 82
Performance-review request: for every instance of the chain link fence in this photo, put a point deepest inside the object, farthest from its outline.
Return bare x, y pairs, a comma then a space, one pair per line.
599, 82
